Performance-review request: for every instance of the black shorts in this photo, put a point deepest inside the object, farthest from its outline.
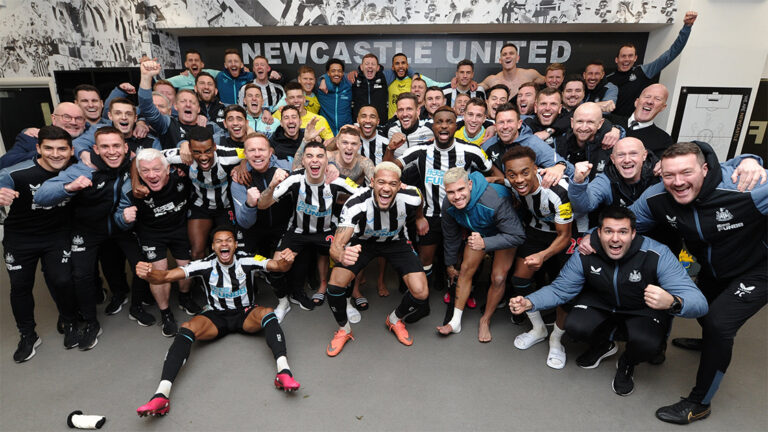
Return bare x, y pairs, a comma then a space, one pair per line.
435, 234
154, 245
227, 321
399, 254
297, 242
537, 241
218, 216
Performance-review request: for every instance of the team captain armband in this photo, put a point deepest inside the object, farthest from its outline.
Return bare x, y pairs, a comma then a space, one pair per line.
351, 183
259, 258
564, 211
240, 153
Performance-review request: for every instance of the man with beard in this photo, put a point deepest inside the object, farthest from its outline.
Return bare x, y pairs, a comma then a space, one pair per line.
508, 136
465, 74
336, 96
208, 98
372, 224
373, 143
312, 222
33, 232
369, 87
232, 78
632, 282
631, 78
94, 193
160, 220
549, 121
648, 105
602, 93
407, 128
484, 209
229, 291
67, 115
288, 137
574, 89
526, 99
431, 162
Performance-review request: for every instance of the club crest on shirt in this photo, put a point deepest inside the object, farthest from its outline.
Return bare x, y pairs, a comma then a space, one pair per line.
77, 240
9, 259
635, 276
723, 215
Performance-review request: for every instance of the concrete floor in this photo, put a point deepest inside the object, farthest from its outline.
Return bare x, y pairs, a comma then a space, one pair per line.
375, 384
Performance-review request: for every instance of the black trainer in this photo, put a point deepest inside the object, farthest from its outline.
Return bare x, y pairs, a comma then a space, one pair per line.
138, 314
115, 304
90, 336
71, 335
26, 348
188, 305
302, 300
592, 357
60, 325
660, 356
692, 344
623, 383
169, 327
684, 412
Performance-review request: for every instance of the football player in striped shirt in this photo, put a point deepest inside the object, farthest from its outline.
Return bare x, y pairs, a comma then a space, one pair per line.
372, 225
228, 286
312, 223
550, 239
374, 143
431, 162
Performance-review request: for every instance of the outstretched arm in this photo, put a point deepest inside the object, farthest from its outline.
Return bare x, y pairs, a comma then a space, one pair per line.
157, 277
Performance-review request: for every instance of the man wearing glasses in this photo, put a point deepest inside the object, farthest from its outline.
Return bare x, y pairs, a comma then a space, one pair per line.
67, 116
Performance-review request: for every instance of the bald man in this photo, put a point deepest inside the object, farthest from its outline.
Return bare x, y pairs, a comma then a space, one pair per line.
652, 101
67, 115
586, 139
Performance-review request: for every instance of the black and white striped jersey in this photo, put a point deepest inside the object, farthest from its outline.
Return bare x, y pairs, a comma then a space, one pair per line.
211, 186
227, 287
374, 148
418, 134
363, 214
432, 162
552, 207
314, 203
271, 92
451, 93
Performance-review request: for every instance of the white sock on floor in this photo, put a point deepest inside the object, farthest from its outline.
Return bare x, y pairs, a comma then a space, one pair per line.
282, 303
164, 388
282, 363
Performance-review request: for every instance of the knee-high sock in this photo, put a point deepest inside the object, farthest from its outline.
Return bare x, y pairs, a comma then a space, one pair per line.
274, 335
408, 305
177, 354
521, 286
422, 310
337, 300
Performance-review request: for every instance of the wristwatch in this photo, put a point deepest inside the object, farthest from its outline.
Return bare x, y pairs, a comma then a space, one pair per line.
550, 131
676, 307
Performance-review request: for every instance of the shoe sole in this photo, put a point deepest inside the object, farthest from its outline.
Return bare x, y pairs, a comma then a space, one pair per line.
687, 420
119, 308
32, 354
186, 311
95, 341
608, 353
73, 346
138, 321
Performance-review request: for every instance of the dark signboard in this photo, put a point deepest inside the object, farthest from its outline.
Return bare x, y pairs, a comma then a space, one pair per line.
435, 55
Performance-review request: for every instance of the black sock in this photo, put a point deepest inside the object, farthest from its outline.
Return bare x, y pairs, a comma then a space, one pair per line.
274, 334
337, 300
522, 286
177, 354
422, 310
279, 283
408, 305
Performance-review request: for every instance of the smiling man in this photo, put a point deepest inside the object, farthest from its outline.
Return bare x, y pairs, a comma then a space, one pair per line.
208, 98
651, 102
407, 126
633, 282
336, 99
271, 91
511, 75
230, 80
599, 91
229, 290
193, 64
87, 96
584, 140
372, 225
33, 232
253, 101
549, 121
473, 131
526, 99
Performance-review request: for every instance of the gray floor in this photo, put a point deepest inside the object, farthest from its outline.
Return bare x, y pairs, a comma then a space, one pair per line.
375, 384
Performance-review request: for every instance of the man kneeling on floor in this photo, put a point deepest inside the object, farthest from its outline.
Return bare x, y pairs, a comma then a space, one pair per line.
631, 282
227, 282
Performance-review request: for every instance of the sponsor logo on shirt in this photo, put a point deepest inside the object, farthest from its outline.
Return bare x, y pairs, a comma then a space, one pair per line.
434, 177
